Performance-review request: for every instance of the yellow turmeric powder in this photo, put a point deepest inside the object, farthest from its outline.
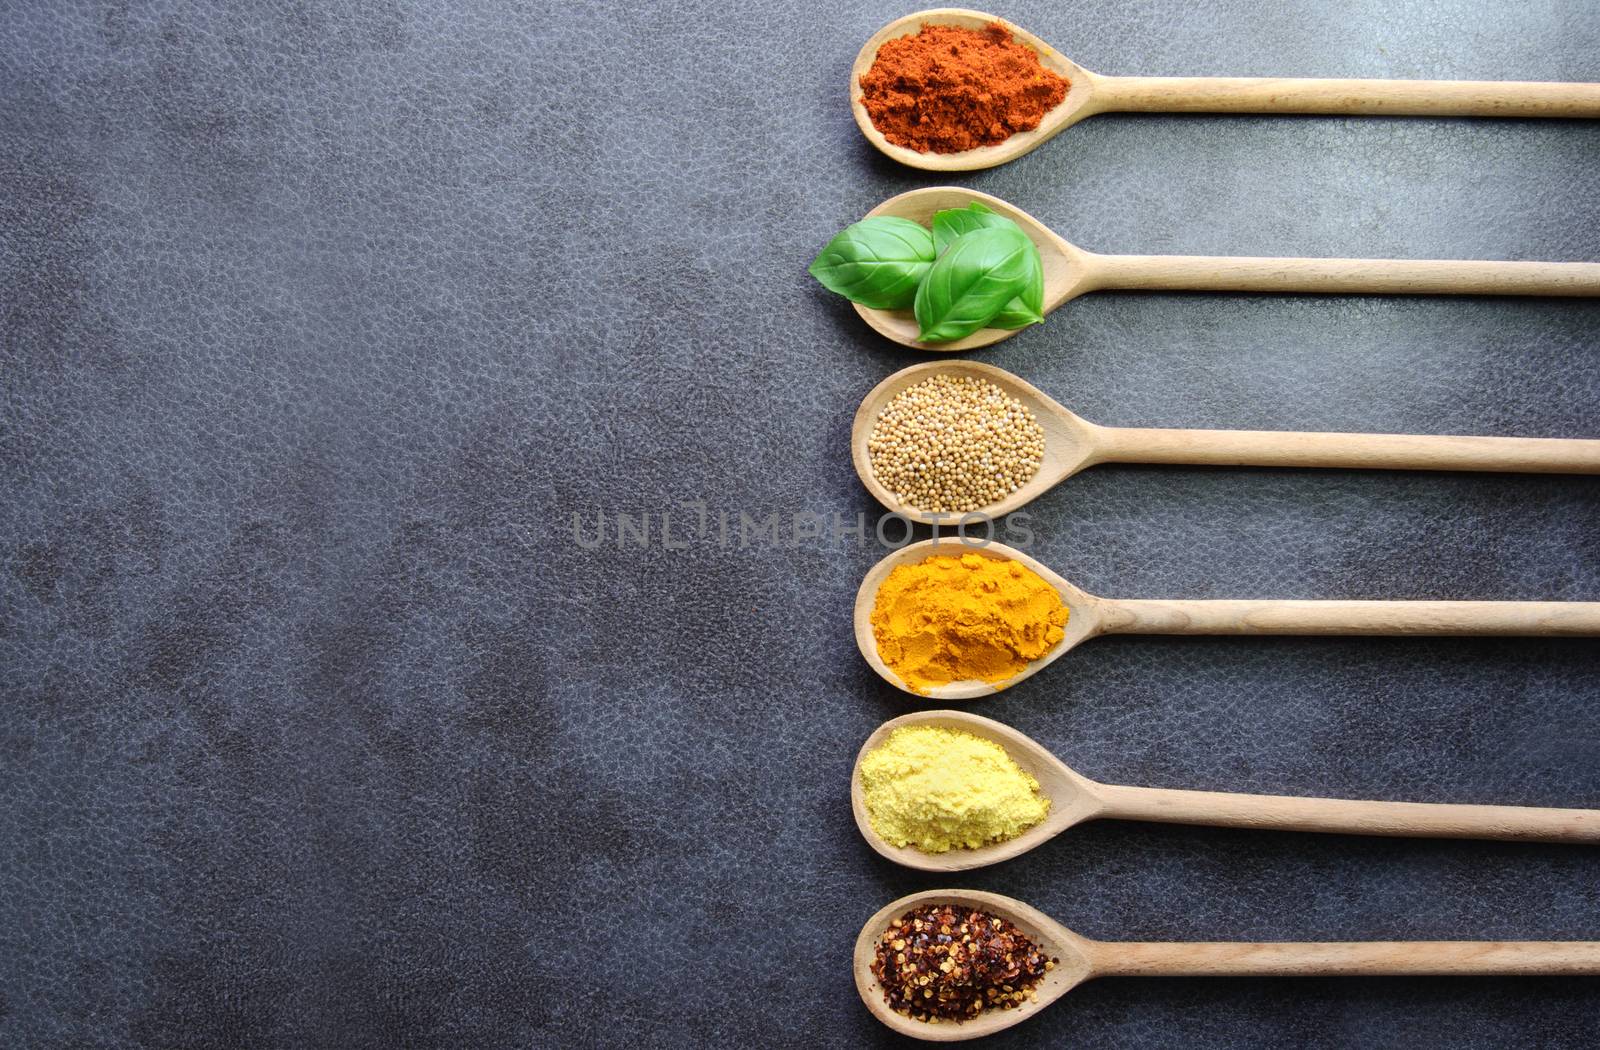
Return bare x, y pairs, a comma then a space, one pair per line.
950, 619
940, 789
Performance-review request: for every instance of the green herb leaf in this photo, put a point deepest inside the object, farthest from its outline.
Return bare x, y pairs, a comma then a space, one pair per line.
1025, 309
953, 222
976, 277
877, 262
1028, 307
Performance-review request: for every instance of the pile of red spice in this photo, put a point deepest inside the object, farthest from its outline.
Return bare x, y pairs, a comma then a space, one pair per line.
946, 89
940, 961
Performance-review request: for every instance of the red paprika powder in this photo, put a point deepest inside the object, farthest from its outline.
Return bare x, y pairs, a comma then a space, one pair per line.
947, 89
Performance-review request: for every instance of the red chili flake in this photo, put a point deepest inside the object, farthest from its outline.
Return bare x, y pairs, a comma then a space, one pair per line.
943, 962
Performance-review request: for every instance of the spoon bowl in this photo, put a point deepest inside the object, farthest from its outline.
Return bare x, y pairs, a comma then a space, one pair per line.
1084, 618
1073, 798
1070, 443
1070, 951
1081, 86
1066, 269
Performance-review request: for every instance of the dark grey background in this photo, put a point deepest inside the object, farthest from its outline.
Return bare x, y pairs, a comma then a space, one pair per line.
320, 321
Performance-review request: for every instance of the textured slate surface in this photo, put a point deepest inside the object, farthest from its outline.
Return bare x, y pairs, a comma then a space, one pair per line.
319, 322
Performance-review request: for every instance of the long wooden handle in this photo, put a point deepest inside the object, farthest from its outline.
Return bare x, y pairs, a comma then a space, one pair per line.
1272, 616
1444, 98
1348, 817
1207, 273
1371, 958
1268, 448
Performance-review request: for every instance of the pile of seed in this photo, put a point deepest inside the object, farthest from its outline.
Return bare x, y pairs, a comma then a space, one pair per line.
943, 962
954, 444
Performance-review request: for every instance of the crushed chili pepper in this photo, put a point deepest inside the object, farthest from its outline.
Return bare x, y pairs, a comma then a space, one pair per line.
947, 89
943, 962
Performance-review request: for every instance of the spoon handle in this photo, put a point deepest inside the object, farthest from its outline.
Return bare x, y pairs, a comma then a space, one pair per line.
1207, 273
1443, 98
1267, 448
1342, 959
1349, 817
1285, 616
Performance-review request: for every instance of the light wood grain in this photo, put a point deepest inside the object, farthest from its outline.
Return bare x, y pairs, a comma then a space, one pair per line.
1070, 271
1289, 616
1076, 799
1072, 444
1090, 616
1287, 448
1089, 93
1347, 97
1222, 273
1338, 816
1348, 959
1082, 959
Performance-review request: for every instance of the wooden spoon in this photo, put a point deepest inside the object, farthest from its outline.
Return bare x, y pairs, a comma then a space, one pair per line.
1090, 616
1079, 959
1075, 799
1072, 444
1069, 271
1090, 93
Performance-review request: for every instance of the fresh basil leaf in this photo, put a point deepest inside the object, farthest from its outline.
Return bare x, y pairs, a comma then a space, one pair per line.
1025, 309
953, 222
973, 281
1028, 307
877, 262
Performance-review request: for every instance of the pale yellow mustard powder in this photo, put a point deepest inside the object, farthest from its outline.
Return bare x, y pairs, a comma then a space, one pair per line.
940, 789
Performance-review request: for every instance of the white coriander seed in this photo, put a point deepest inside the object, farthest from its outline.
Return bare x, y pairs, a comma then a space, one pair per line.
954, 444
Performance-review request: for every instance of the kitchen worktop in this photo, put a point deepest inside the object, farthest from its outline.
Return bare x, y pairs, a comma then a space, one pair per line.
321, 325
